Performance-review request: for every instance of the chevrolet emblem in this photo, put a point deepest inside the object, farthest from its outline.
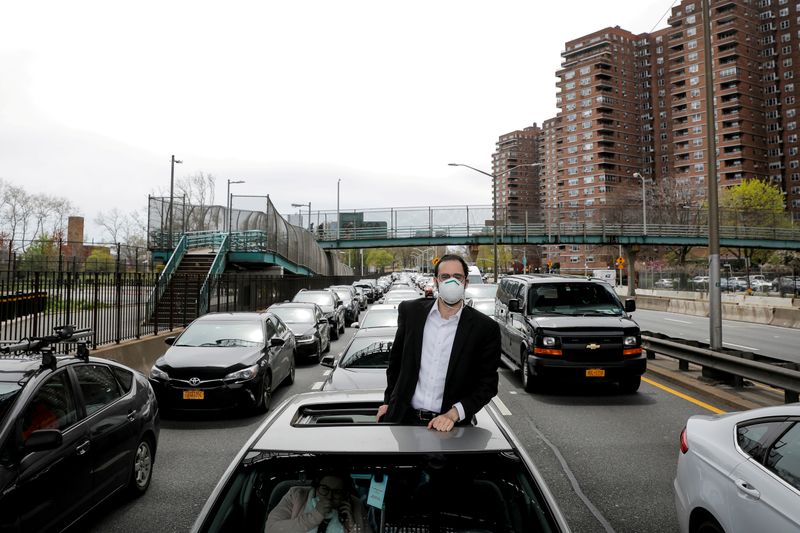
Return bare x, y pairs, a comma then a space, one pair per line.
592, 346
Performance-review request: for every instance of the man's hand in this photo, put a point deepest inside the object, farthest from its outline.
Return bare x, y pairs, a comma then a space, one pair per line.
445, 421
381, 411
346, 515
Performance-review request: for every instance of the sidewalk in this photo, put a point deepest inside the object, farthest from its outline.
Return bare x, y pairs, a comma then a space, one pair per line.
751, 396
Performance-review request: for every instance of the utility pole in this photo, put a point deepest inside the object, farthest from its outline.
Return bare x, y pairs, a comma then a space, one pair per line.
172, 194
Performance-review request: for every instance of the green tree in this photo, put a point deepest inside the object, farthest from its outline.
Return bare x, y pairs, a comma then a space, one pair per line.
100, 260
753, 203
379, 258
485, 258
40, 256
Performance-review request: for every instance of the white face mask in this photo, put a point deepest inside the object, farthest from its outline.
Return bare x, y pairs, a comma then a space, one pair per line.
451, 291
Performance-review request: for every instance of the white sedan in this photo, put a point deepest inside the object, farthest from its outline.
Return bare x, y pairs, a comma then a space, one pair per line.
740, 472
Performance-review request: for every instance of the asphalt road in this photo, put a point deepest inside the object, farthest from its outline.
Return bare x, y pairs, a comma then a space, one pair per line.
609, 459
762, 339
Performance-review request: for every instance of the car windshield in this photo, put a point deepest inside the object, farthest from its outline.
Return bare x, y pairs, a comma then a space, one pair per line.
294, 315
319, 298
222, 333
368, 352
379, 318
8, 394
344, 295
480, 290
573, 299
484, 306
480, 492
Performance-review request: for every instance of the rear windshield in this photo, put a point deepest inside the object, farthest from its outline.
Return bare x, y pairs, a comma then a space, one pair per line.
573, 299
319, 298
478, 492
368, 352
380, 318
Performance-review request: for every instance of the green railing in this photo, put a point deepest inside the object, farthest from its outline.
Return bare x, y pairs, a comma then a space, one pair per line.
166, 274
217, 267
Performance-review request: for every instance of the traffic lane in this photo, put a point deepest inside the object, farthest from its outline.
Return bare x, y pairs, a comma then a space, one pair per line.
621, 450
193, 452
772, 341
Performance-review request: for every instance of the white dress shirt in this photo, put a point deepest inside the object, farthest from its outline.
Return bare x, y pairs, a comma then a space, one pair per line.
437, 343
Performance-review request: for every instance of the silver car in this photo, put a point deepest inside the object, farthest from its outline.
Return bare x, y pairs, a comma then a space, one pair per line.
740, 472
363, 363
402, 478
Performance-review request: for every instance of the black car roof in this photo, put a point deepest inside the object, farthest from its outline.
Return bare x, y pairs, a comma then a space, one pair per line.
550, 278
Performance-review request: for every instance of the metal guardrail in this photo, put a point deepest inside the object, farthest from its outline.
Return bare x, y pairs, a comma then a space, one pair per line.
770, 374
166, 274
217, 268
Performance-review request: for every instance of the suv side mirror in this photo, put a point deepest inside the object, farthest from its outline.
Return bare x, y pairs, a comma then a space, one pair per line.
514, 306
43, 439
328, 360
630, 305
170, 340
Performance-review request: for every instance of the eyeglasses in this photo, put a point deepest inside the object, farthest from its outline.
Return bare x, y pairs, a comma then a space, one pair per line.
457, 277
325, 490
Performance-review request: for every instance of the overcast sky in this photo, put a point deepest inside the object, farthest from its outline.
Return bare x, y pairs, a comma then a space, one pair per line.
288, 95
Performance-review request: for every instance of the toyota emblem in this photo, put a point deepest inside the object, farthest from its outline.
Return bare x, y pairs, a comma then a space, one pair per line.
194, 382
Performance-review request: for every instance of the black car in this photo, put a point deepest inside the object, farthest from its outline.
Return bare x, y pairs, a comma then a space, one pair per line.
566, 328
369, 290
310, 327
350, 301
74, 430
331, 305
225, 360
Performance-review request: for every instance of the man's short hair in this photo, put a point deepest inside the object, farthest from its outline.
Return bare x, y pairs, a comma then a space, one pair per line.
451, 257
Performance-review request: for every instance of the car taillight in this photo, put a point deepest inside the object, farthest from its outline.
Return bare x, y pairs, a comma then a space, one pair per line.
684, 442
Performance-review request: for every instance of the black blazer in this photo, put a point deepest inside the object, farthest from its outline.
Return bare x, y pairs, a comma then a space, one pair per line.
471, 375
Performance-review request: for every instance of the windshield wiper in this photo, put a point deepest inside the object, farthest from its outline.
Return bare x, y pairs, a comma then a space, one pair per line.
553, 313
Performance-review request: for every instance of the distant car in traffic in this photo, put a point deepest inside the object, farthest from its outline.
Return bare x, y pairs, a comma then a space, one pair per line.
331, 305
476, 478
380, 316
311, 329
349, 297
663, 283
74, 431
740, 472
225, 360
363, 363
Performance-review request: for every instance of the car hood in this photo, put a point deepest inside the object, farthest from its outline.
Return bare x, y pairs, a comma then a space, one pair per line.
582, 323
360, 378
209, 357
301, 329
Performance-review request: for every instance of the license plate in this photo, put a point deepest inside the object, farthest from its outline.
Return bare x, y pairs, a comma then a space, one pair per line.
595, 373
194, 394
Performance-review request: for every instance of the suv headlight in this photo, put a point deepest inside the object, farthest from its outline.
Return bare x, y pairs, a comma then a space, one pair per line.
305, 338
157, 373
631, 341
549, 341
244, 374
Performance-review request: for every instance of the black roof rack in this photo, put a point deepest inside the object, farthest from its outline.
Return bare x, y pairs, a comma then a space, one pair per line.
43, 346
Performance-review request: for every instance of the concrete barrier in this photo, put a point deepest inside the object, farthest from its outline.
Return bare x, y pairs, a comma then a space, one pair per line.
139, 354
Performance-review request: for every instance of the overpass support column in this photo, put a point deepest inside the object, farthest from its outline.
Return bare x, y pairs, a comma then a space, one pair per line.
630, 253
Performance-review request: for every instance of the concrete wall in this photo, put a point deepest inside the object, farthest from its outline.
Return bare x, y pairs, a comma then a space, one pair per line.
138, 354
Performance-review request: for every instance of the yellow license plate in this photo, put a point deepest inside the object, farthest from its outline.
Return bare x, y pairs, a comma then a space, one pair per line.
194, 394
595, 373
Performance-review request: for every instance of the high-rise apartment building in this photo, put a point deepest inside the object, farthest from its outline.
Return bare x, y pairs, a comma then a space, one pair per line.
517, 191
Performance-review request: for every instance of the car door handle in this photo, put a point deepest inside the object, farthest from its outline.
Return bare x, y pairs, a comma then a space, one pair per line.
747, 488
131, 415
82, 448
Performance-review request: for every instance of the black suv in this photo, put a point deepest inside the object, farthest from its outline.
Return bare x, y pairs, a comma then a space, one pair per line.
74, 430
571, 328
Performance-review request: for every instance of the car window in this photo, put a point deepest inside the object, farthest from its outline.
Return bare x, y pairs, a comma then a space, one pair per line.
270, 329
573, 299
319, 298
52, 407
279, 327
752, 438
222, 333
98, 386
294, 315
368, 352
124, 377
378, 318
9, 390
783, 457
439, 492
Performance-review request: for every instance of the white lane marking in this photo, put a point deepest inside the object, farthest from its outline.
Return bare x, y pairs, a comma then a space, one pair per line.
675, 320
738, 346
501, 406
326, 373
318, 385
776, 336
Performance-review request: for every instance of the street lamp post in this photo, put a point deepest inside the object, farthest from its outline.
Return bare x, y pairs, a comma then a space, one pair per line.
494, 202
644, 203
230, 202
309, 212
172, 193
338, 218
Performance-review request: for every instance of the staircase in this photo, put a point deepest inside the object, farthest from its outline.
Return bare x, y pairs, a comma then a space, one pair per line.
178, 305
